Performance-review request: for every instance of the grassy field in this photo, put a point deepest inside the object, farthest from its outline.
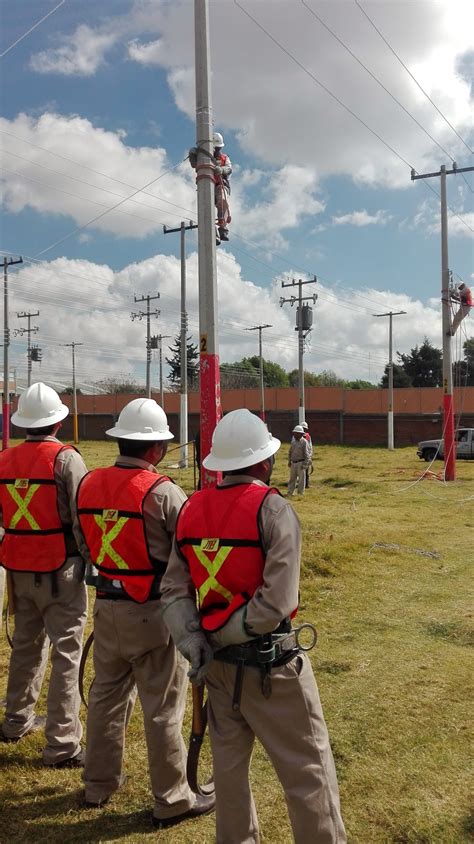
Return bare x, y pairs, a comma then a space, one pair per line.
386, 574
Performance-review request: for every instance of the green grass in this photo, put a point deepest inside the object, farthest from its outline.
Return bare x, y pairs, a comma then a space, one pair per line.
393, 665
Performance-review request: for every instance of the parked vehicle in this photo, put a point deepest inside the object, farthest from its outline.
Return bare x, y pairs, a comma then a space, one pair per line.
434, 449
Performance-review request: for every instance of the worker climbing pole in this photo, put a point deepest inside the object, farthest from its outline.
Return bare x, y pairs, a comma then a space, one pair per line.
222, 170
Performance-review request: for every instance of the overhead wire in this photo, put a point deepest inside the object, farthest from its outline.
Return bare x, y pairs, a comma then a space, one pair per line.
32, 29
393, 51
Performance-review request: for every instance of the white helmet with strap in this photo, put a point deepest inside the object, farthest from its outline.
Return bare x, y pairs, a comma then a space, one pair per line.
39, 407
298, 429
141, 419
217, 139
240, 439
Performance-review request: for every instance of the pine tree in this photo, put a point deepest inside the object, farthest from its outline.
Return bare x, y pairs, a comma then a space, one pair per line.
174, 363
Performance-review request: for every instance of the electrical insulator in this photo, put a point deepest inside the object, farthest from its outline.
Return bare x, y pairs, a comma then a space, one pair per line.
36, 354
306, 318
153, 342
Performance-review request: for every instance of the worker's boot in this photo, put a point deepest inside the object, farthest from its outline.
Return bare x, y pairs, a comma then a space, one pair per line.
218, 237
223, 233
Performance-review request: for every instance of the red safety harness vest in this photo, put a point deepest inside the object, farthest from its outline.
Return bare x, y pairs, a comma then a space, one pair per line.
110, 510
218, 533
34, 538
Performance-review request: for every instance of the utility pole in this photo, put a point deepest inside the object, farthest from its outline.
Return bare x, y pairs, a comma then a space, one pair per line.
148, 314
260, 328
156, 342
304, 321
74, 391
448, 403
7, 262
390, 314
209, 374
28, 331
183, 403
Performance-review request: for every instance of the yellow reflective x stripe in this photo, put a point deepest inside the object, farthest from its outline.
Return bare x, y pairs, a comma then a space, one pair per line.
108, 538
23, 511
212, 567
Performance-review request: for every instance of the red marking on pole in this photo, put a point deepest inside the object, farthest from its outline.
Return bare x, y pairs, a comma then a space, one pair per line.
211, 411
449, 443
6, 425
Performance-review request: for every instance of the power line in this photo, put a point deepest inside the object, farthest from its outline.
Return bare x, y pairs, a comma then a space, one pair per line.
384, 39
31, 29
374, 77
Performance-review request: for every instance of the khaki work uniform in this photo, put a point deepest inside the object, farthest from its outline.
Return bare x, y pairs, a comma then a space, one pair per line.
42, 618
299, 458
290, 723
132, 647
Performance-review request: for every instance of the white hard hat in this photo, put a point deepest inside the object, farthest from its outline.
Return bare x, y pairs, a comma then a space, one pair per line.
141, 419
304, 425
217, 139
298, 429
39, 407
240, 439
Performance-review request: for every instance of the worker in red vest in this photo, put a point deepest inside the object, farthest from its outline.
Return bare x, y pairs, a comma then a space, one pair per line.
462, 295
127, 514
38, 483
237, 547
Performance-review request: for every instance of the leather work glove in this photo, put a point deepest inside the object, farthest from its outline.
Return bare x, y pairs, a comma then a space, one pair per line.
182, 620
218, 169
233, 633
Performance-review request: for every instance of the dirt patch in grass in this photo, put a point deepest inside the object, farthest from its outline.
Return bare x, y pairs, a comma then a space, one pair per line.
338, 483
451, 631
334, 668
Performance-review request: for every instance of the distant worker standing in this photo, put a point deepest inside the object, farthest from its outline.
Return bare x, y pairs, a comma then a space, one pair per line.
238, 546
299, 458
38, 483
127, 513
307, 437
463, 295
222, 171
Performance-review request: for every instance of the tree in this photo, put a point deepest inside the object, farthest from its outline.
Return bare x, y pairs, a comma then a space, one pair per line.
240, 374
400, 377
273, 374
328, 378
174, 363
121, 385
310, 378
463, 370
424, 365
359, 384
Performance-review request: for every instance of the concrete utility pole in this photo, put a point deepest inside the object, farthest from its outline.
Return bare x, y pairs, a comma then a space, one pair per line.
28, 331
448, 403
148, 314
390, 314
183, 405
7, 262
302, 333
260, 328
156, 342
74, 391
210, 387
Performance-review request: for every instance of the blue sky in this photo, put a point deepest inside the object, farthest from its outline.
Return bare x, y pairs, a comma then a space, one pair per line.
108, 88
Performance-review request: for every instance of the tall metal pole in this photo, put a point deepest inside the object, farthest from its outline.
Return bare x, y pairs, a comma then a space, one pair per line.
183, 403
29, 331
147, 314
75, 421
448, 403
208, 337
301, 335
6, 344
390, 436
158, 340
260, 328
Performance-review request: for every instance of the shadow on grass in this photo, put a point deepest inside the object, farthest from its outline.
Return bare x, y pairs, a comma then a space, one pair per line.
451, 631
44, 815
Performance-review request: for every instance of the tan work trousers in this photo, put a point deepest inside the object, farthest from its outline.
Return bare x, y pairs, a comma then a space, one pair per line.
291, 727
133, 646
40, 619
297, 477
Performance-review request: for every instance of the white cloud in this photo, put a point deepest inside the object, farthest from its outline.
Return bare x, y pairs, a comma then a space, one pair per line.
279, 114
52, 184
81, 55
427, 218
362, 218
91, 304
